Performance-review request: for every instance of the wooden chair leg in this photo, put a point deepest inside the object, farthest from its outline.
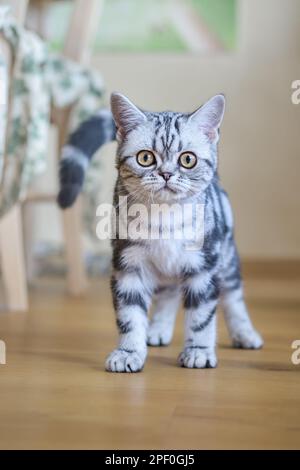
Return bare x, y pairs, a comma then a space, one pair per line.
72, 226
29, 223
77, 47
12, 260
76, 275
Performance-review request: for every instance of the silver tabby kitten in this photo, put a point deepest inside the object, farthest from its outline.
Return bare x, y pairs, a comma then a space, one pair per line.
166, 158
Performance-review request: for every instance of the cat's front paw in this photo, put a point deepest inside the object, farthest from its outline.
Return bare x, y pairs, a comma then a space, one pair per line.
158, 335
121, 360
247, 339
198, 358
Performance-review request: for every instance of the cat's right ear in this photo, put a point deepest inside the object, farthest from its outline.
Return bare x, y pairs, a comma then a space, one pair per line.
126, 115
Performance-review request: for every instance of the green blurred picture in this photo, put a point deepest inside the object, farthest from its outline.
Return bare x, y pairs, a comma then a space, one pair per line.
156, 25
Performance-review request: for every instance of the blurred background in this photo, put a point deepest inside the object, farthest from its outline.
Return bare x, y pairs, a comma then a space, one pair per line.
175, 54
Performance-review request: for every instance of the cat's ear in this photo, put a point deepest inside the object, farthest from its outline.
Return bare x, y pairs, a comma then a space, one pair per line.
126, 115
209, 116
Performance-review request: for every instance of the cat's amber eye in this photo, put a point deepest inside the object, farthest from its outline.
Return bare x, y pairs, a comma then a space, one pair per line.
187, 160
145, 158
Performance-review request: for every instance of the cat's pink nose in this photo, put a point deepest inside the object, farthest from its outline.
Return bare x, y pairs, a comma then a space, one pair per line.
166, 176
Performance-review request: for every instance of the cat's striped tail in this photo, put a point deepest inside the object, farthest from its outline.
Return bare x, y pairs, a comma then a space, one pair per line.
77, 153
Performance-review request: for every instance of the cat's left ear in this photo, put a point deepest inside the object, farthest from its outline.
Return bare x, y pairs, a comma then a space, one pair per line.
209, 116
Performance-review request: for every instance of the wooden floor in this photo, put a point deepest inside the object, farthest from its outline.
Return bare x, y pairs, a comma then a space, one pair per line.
54, 392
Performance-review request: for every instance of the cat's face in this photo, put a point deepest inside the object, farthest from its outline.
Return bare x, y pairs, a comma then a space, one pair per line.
166, 157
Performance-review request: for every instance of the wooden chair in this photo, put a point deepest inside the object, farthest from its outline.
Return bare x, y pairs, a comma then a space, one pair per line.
77, 47
11, 235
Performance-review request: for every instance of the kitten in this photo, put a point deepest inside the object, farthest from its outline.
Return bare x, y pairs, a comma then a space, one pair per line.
166, 158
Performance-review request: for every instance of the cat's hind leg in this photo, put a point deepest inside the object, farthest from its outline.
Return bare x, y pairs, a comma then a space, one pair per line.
166, 303
241, 330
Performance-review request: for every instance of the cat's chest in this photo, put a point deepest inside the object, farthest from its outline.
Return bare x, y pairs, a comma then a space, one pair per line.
169, 257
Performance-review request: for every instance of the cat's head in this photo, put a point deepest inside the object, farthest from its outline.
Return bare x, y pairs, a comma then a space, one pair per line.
166, 156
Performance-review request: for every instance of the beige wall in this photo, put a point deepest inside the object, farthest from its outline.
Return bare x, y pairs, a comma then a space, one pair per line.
260, 145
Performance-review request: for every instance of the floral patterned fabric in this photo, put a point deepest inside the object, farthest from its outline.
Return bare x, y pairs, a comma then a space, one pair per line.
40, 80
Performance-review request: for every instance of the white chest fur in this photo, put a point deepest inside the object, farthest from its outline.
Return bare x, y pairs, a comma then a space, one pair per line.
166, 256
170, 258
